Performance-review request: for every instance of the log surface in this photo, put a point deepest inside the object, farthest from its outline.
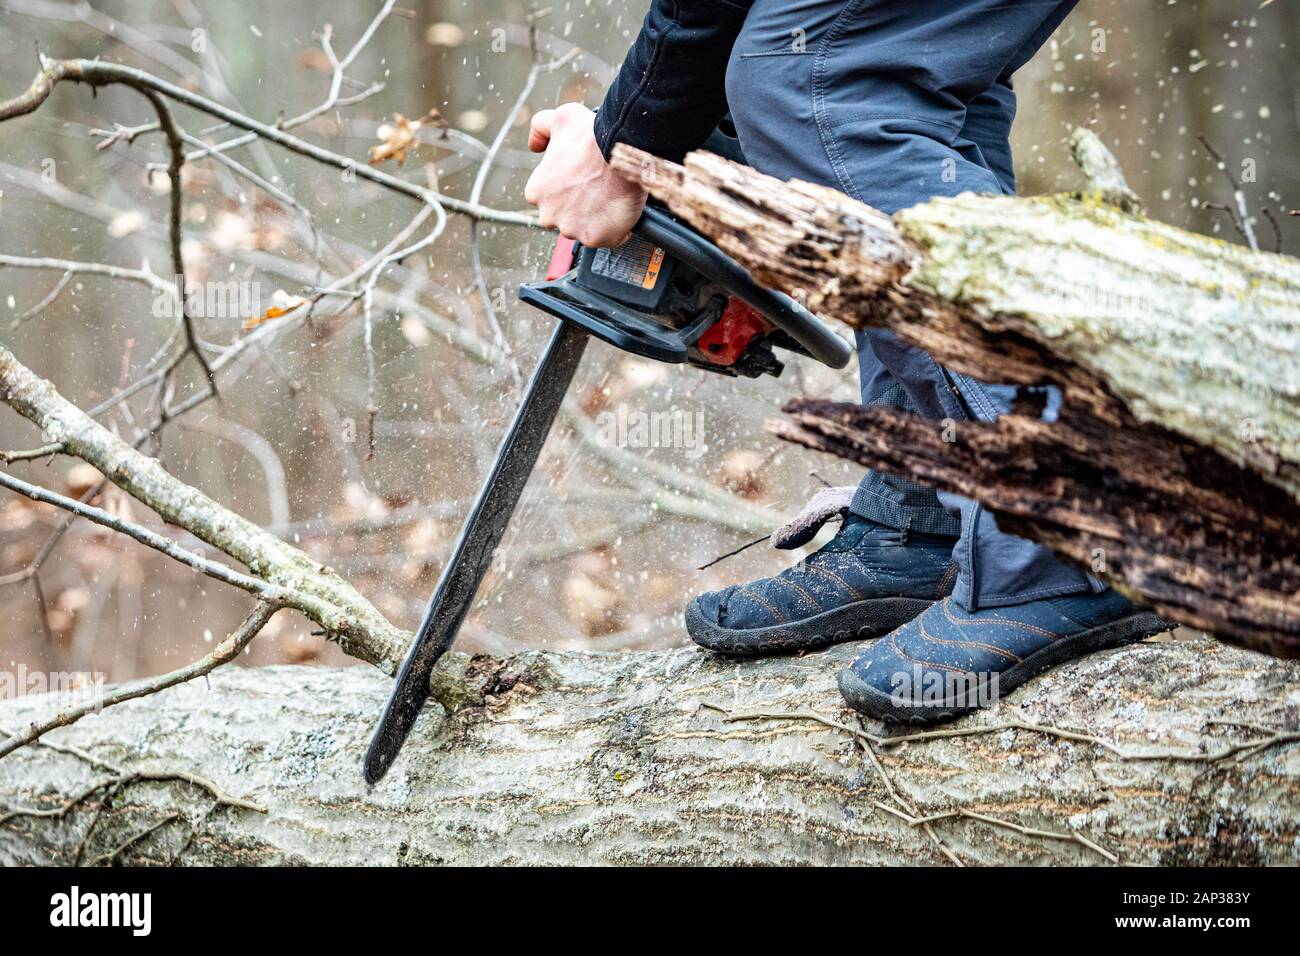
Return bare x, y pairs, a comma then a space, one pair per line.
595, 758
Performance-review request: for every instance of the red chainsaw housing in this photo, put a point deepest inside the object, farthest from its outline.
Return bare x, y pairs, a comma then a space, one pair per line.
722, 343
561, 258
726, 340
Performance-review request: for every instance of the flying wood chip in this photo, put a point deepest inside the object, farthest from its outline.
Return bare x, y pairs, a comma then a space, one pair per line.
400, 135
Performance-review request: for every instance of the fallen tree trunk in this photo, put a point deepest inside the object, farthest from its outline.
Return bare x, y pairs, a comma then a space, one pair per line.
1175, 466
620, 758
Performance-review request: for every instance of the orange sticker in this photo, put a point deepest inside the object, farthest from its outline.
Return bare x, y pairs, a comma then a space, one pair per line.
652, 270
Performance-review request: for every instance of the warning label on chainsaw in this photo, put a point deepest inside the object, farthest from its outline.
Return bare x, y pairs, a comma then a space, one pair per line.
636, 262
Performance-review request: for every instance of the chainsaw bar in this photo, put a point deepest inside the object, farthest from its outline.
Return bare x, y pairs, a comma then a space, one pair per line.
662, 296
482, 531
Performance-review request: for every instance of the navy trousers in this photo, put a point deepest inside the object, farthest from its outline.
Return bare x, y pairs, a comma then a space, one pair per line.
895, 102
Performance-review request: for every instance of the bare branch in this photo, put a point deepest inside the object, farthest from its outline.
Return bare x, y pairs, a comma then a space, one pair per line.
337, 78
97, 73
176, 143
1277, 229
1241, 215
146, 537
476, 194
223, 653
325, 597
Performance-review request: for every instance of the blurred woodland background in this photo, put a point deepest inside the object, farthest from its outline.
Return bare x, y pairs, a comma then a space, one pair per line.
603, 551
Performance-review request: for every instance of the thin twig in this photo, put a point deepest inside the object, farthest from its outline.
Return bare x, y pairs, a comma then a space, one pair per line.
1242, 215
272, 593
176, 143
47, 548
869, 750
732, 554
1232, 217
963, 813
337, 77
101, 73
149, 278
31, 454
45, 302
118, 31
869, 740
270, 189
122, 778
100, 806
367, 307
1191, 756
113, 854
223, 653
476, 195
1277, 229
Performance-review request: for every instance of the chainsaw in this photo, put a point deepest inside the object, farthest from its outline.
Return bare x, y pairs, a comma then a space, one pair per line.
667, 294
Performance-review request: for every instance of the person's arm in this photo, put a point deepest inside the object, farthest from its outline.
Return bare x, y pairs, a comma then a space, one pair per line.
668, 96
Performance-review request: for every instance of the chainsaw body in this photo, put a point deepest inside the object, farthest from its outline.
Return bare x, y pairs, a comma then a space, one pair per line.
642, 300
670, 295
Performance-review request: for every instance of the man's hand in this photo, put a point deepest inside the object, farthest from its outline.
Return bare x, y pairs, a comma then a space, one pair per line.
573, 188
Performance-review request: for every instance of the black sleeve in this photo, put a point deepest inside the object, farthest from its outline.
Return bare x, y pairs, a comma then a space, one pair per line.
669, 94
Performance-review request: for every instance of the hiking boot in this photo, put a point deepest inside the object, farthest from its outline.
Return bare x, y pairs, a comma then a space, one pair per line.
865, 582
948, 661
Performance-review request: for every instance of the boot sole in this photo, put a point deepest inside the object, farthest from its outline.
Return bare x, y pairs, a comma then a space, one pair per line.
875, 703
859, 621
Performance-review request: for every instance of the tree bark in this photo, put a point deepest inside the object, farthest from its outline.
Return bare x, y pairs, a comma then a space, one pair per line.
1174, 468
621, 758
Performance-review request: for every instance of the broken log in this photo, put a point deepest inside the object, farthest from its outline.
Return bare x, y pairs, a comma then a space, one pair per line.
1174, 470
1142, 755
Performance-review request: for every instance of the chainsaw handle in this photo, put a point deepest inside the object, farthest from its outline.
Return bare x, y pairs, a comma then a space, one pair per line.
785, 313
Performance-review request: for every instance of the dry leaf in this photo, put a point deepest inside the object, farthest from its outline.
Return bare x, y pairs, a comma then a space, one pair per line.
595, 399
158, 181
65, 610
400, 135
231, 231
422, 535
358, 502
300, 648
593, 597
282, 303
18, 514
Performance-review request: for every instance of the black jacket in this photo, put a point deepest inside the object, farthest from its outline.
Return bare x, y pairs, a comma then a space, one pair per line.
669, 94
